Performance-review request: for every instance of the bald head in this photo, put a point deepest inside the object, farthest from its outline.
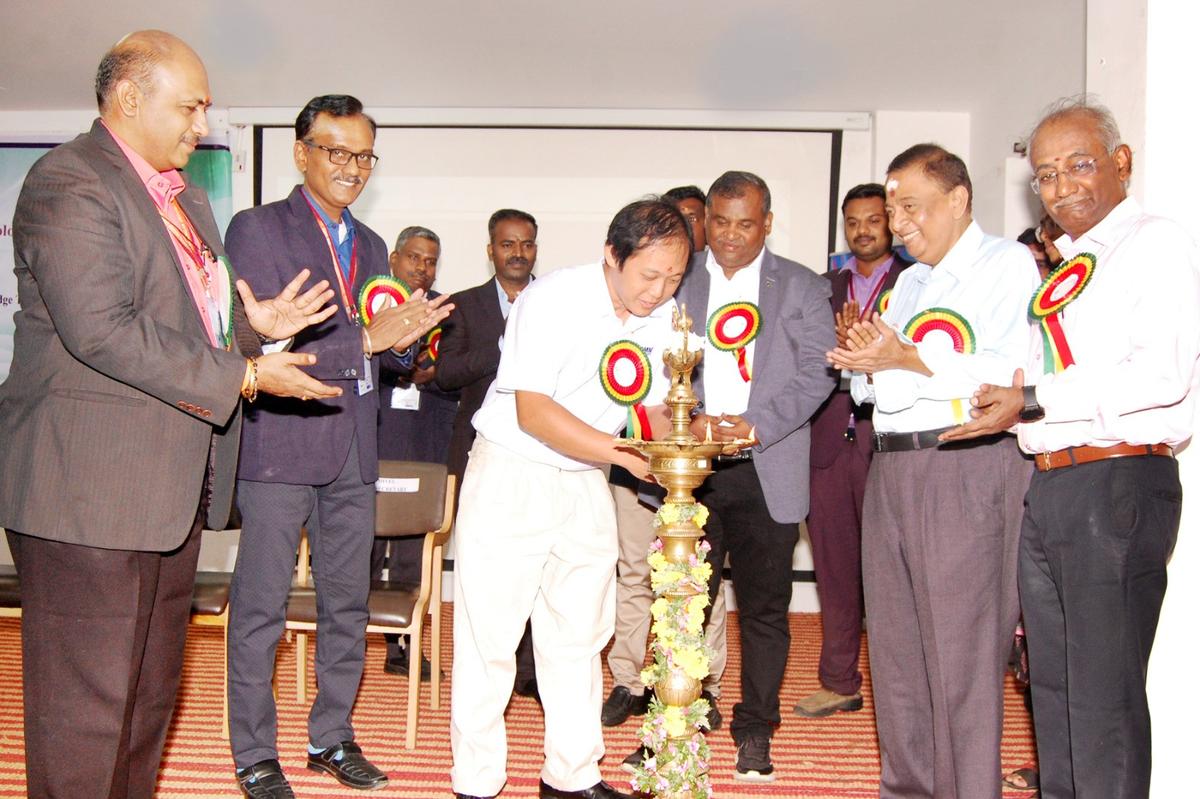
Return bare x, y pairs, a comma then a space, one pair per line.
134, 58
152, 90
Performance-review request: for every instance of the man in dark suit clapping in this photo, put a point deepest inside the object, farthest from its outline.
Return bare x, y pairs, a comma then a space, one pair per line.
314, 464
121, 416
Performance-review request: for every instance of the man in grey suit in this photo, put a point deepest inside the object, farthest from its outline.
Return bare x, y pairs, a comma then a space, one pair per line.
762, 378
121, 415
282, 486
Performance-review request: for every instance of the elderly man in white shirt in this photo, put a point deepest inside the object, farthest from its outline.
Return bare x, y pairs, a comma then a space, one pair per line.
941, 522
1108, 396
537, 536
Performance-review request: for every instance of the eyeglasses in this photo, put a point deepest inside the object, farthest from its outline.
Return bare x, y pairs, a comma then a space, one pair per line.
1080, 169
342, 157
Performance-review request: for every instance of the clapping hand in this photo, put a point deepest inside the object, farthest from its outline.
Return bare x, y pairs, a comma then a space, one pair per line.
289, 312
401, 325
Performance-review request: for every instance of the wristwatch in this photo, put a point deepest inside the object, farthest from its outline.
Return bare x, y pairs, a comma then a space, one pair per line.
1032, 412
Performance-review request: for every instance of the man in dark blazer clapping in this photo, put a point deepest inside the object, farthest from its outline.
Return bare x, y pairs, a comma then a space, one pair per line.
314, 463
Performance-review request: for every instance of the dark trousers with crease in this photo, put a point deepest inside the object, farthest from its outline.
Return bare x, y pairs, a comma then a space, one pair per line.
940, 532
102, 635
341, 528
835, 530
760, 560
1093, 572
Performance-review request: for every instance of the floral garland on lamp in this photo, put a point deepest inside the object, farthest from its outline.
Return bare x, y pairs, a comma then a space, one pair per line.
678, 766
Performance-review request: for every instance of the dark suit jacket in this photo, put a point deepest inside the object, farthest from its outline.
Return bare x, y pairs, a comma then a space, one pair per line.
790, 380
468, 360
289, 440
420, 435
829, 424
115, 401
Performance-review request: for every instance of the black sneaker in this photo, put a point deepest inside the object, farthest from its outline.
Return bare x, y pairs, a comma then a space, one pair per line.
754, 760
264, 780
636, 759
621, 704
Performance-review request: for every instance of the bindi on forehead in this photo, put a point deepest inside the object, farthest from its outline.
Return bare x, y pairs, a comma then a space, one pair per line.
891, 187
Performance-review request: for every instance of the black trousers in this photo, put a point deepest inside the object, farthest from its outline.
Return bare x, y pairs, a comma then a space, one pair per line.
102, 635
1092, 573
760, 559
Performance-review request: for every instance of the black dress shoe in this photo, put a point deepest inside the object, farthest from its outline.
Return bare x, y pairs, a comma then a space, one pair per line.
621, 704
349, 766
264, 780
398, 664
601, 790
714, 715
471, 796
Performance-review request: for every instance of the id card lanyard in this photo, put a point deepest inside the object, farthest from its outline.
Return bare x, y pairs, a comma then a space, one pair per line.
346, 287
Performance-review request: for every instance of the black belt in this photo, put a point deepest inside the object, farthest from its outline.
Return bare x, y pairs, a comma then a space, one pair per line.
906, 442
737, 457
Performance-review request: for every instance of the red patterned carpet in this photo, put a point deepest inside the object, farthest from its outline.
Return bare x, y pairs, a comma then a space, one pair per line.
834, 757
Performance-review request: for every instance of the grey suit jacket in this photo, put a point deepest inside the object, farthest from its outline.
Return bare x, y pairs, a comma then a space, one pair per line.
116, 401
790, 380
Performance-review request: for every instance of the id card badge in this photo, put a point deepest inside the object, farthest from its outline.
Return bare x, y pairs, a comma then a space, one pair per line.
406, 399
365, 385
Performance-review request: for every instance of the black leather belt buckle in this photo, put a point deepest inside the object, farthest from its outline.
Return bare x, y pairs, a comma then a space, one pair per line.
906, 442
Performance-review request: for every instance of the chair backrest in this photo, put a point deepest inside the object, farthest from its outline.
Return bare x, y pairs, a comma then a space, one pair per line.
410, 498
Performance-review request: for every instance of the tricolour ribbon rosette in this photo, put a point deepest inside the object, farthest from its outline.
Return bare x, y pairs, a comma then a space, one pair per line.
430, 346
1060, 288
885, 299
731, 328
380, 293
625, 376
943, 321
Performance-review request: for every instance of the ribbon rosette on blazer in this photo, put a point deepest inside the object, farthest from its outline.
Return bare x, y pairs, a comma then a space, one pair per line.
949, 323
625, 376
731, 328
380, 293
1061, 287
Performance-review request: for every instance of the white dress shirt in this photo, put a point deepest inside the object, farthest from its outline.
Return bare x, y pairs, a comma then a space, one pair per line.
725, 390
989, 282
1134, 333
556, 335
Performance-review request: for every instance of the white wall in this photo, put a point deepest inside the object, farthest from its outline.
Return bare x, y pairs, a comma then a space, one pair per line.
1168, 180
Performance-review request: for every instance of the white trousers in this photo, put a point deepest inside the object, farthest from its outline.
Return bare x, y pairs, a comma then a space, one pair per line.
534, 542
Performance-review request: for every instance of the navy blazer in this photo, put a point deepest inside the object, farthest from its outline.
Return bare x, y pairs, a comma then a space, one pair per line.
790, 380
294, 441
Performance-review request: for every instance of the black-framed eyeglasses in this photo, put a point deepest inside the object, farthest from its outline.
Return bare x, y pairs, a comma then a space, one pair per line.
342, 157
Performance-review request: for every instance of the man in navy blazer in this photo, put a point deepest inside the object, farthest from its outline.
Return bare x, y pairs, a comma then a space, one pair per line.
282, 485
762, 389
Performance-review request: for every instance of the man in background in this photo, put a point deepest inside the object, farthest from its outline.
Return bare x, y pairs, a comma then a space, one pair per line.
415, 421
470, 355
840, 457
